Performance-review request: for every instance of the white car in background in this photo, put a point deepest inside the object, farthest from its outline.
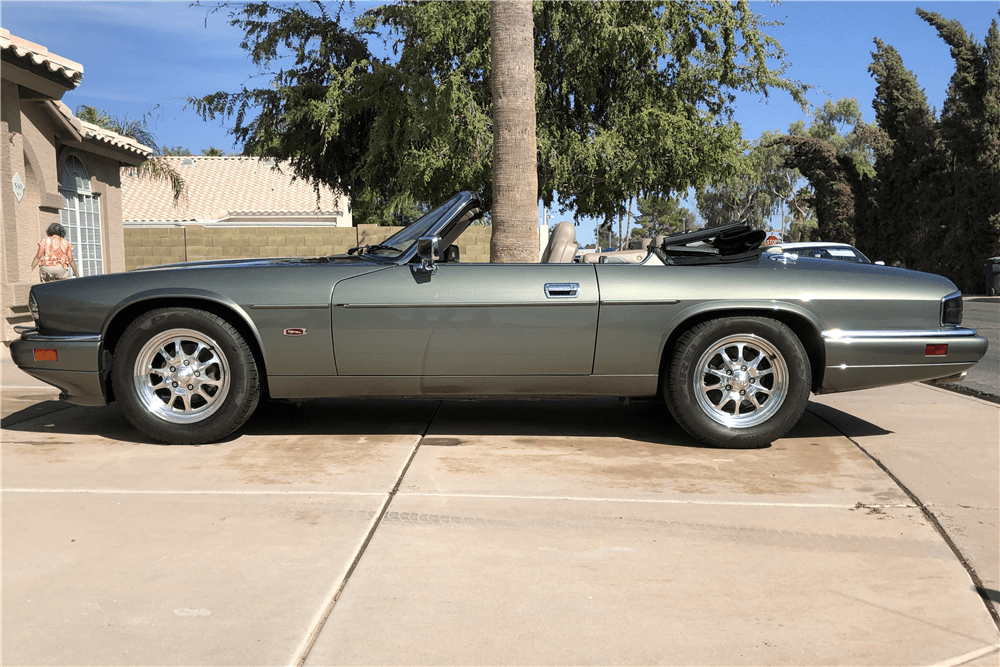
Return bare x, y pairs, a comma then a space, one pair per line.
822, 250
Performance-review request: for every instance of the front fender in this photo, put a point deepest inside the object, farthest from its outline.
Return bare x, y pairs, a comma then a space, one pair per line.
128, 309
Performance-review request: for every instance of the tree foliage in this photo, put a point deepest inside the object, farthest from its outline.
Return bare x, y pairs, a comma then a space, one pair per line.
920, 190
632, 99
155, 167
662, 215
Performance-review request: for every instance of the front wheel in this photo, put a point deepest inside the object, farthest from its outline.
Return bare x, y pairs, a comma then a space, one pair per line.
185, 376
738, 382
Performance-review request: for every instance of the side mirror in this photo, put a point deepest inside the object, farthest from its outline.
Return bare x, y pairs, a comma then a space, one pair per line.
428, 250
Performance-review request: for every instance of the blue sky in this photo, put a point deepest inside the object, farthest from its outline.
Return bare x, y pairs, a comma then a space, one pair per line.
149, 57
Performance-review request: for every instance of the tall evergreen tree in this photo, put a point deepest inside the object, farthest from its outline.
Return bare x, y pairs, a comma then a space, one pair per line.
969, 178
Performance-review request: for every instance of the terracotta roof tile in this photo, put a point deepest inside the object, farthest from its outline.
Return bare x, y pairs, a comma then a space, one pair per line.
217, 188
39, 55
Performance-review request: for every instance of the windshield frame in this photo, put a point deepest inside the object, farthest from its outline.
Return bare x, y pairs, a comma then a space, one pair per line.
405, 240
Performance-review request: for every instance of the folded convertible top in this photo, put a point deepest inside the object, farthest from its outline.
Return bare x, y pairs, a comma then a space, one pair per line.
730, 243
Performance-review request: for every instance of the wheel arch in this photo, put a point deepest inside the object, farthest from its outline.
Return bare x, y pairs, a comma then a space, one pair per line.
126, 312
802, 323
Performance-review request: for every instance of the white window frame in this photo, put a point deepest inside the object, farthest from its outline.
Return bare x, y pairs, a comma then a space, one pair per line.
81, 216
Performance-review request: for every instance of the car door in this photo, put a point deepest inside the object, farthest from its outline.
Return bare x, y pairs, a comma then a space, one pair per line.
467, 320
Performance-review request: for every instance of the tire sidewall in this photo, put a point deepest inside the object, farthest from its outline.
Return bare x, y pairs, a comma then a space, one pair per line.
243, 386
680, 391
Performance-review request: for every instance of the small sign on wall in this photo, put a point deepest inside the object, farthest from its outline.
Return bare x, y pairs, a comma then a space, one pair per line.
18, 186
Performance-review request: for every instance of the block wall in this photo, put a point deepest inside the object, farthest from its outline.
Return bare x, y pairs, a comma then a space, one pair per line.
150, 246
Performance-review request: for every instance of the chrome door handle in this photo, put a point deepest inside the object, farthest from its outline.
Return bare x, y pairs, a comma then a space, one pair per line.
562, 290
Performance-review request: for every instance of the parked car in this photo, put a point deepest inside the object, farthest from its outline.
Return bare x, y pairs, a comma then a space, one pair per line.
732, 338
843, 252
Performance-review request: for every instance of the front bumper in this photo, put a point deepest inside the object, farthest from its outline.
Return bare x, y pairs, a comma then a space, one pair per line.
79, 371
866, 359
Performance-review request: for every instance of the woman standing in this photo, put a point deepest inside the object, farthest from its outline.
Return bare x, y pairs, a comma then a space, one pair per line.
55, 254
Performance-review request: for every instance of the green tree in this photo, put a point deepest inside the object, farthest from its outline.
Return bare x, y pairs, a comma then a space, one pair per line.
662, 215
212, 151
632, 98
927, 193
175, 151
967, 208
833, 153
754, 192
155, 167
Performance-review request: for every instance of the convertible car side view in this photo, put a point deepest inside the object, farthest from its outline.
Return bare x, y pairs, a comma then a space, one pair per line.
733, 339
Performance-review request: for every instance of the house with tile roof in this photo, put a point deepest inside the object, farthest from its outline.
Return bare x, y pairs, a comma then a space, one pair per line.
53, 168
232, 206
232, 189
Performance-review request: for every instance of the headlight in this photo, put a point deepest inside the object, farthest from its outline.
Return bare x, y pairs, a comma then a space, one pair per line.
33, 307
951, 309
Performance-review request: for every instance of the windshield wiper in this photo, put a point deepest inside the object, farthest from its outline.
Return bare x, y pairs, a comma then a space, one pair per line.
366, 249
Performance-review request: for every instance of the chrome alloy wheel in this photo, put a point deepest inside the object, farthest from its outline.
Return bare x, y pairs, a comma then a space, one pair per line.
181, 376
741, 381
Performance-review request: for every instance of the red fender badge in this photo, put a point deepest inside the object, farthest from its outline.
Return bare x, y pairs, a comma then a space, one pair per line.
295, 331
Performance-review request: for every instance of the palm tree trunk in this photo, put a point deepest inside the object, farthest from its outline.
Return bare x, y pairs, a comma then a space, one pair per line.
515, 170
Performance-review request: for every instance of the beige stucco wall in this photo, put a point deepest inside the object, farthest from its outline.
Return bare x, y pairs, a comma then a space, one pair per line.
149, 246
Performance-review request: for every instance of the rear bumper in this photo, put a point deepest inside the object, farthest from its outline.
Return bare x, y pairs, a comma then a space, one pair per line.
79, 371
866, 359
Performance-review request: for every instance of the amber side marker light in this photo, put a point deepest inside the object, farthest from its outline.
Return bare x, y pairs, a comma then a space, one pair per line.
45, 355
935, 350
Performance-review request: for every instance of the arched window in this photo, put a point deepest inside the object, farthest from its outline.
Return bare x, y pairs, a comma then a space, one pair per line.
81, 216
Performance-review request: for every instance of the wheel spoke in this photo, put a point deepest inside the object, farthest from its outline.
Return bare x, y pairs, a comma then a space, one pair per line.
716, 372
212, 360
740, 360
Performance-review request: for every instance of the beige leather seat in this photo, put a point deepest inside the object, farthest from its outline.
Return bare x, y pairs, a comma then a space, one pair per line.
562, 245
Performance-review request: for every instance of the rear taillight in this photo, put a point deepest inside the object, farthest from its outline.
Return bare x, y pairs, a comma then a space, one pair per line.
951, 309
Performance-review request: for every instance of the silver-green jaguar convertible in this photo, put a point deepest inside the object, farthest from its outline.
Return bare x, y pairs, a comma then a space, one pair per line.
732, 339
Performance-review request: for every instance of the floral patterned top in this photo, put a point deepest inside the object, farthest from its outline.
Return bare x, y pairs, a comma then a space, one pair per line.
55, 251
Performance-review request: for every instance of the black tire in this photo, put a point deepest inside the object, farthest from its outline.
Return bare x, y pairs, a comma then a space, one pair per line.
201, 383
759, 356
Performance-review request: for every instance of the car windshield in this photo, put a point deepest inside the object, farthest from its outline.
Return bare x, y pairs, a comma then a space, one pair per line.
400, 242
842, 253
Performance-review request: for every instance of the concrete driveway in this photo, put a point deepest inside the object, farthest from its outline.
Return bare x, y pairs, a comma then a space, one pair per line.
584, 532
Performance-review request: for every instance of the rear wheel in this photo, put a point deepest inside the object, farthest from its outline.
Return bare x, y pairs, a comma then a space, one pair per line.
185, 376
738, 382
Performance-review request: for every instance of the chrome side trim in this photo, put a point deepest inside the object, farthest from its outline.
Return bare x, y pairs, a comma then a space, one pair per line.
837, 334
649, 302
22, 329
546, 304
78, 338
282, 306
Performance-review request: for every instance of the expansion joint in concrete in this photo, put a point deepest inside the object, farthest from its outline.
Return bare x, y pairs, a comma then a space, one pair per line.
303, 653
924, 509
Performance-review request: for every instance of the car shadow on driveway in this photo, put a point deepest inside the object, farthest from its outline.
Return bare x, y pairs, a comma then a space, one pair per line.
846, 423
443, 421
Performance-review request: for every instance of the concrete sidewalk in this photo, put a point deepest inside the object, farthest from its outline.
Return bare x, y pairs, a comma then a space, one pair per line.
944, 448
